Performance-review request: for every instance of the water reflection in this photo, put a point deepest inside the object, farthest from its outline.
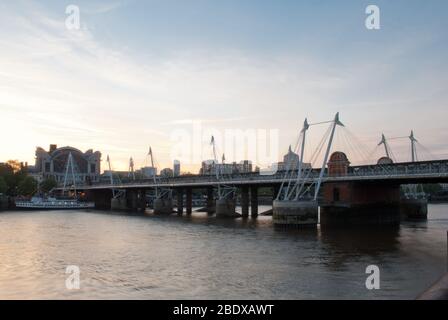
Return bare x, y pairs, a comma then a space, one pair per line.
141, 255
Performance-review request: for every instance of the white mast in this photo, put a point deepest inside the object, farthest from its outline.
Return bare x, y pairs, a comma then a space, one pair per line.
212, 142
153, 171
131, 172
111, 175
386, 147
336, 122
302, 154
72, 169
413, 149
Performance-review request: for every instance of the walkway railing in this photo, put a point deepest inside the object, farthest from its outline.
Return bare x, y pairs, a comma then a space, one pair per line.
432, 169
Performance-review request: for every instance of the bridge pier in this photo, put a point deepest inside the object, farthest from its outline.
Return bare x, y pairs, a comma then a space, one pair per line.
254, 201
163, 205
225, 208
275, 191
245, 201
414, 209
119, 203
142, 200
189, 200
180, 201
101, 198
132, 199
210, 200
349, 203
295, 213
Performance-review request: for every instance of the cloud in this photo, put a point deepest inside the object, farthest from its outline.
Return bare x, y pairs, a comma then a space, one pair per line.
71, 87
103, 7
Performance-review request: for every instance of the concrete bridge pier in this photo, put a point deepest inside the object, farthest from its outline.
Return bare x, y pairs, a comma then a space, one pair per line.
180, 201
254, 201
357, 203
295, 213
118, 204
101, 198
348, 203
132, 199
275, 191
210, 200
141, 204
414, 209
225, 208
245, 201
189, 200
163, 205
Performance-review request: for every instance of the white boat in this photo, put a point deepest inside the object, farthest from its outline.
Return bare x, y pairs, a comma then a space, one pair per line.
39, 203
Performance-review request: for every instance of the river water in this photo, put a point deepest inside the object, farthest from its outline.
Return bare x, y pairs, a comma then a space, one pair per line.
142, 256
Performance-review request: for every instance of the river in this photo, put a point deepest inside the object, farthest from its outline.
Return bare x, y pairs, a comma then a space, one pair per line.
142, 256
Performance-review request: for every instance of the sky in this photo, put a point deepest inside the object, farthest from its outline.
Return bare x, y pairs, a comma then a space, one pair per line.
139, 73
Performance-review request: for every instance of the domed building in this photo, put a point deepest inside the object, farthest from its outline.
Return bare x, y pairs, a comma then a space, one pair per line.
385, 160
338, 164
53, 163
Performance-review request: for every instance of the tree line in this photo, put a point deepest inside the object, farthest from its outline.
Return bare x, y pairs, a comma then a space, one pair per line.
15, 181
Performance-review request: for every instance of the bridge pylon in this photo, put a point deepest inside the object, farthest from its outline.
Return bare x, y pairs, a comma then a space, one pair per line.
225, 203
296, 204
163, 200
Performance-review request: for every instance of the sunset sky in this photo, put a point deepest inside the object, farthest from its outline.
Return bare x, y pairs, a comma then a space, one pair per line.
137, 71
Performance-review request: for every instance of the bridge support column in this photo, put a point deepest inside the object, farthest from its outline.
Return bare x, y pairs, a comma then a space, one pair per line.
414, 209
225, 208
350, 203
295, 213
101, 198
275, 191
180, 201
245, 201
210, 200
254, 201
118, 204
132, 199
189, 198
163, 205
142, 200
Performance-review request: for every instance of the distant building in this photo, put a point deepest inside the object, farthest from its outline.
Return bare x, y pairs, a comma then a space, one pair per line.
53, 164
147, 172
176, 168
209, 167
116, 175
290, 162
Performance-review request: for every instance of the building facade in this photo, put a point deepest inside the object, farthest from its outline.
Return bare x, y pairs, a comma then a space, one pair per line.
54, 164
176, 168
209, 167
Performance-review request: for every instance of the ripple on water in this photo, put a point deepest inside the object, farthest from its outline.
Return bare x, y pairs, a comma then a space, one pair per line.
201, 257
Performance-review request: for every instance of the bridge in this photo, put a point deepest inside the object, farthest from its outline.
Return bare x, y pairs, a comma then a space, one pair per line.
340, 192
434, 171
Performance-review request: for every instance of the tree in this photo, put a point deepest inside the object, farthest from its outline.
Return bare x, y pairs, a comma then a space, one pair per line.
28, 186
3, 185
48, 184
15, 165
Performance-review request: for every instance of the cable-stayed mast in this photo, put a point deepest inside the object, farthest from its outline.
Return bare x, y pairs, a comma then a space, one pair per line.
70, 167
294, 204
413, 148
385, 144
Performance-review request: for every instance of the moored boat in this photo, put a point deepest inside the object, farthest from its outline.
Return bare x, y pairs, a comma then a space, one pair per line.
39, 203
